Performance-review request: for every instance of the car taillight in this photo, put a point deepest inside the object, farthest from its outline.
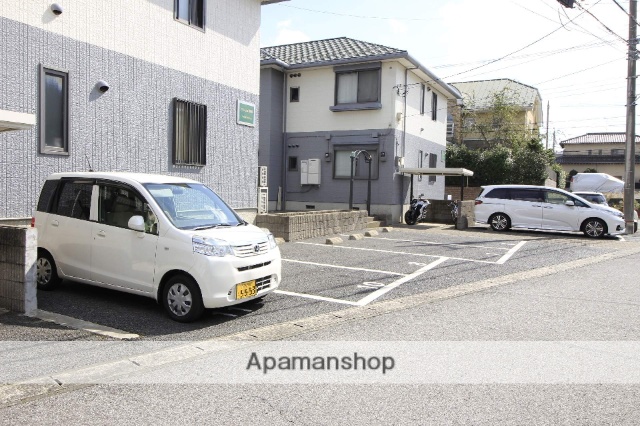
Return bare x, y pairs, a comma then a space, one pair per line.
33, 222
478, 202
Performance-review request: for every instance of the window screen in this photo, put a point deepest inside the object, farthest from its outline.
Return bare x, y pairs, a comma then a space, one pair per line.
189, 133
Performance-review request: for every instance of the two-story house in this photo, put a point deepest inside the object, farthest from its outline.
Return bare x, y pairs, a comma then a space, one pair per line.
475, 123
324, 101
129, 85
599, 152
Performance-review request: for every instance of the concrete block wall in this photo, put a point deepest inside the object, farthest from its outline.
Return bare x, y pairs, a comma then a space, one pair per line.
440, 212
18, 250
470, 192
292, 226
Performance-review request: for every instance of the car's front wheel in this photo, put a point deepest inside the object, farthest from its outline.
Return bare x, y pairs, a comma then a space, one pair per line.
46, 272
594, 228
499, 222
182, 299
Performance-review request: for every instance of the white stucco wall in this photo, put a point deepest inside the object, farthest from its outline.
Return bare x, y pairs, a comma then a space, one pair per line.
312, 113
156, 37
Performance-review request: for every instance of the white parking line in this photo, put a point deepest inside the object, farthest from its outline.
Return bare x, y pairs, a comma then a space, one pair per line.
510, 253
313, 296
396, 252
438, 244
376, 294
343, 267
84, 325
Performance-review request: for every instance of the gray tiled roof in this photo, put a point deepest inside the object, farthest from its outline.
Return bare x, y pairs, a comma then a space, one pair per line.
599, 138
330, 50
482, 92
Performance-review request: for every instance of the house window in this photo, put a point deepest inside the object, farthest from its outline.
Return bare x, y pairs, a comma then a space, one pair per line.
54, 111
293, 164
191, 12
434, 106
420, 163
294, 94
617, 152
189, 133
357, 89
423, 91
342, 165
433, 163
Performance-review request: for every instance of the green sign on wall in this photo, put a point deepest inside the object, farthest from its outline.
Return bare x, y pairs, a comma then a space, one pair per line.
246, 113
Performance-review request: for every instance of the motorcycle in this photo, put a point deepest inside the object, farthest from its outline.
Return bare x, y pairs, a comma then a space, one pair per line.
417, 211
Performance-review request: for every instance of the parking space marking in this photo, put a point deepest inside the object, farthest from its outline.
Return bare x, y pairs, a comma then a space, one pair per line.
376, 294
439, 244
84, 325
397, 252
510, 253
342, 267
313, 296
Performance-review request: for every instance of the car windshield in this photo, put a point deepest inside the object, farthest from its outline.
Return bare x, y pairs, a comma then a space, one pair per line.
193, 206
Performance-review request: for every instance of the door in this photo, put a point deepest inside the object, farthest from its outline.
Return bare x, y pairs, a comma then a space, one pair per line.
68, 230
121, 256
557, 215
525, 207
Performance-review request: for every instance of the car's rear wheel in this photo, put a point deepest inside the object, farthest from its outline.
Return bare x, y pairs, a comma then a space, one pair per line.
46, 272
499, 222
182, 299
594, 228
409, 217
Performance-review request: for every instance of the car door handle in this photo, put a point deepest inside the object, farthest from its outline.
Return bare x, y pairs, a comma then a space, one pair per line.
55, 223
547, 207
102, 234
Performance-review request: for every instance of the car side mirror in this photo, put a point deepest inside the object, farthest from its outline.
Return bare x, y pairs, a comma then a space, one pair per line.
569, 203
136, 223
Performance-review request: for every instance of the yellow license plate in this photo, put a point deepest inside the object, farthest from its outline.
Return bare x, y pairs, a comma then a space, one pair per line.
246, 289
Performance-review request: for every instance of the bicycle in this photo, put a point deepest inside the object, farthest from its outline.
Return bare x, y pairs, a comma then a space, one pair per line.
454, 211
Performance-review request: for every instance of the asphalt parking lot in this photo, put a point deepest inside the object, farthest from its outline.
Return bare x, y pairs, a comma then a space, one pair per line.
320, 278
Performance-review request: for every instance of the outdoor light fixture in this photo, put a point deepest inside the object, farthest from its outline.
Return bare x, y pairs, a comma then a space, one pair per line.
102, 86
56, 9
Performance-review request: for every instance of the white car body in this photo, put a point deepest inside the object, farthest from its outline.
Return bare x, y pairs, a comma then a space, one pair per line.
545, 208
117, 250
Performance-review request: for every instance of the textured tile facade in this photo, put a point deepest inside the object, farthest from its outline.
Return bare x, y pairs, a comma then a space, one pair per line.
129, 127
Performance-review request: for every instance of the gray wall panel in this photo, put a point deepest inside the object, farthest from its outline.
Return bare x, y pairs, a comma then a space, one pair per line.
125, 129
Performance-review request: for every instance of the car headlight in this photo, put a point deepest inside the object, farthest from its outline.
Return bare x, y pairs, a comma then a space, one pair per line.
211, 246
619, 214
272, 241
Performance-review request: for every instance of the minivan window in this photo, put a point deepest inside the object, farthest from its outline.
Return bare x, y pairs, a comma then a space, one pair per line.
554, 197
526, 194
501, 193
75, 200
193, 206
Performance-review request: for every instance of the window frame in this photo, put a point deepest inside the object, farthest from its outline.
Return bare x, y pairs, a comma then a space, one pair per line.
42, 116
423, 97
289, 160
355, 106
296, 90
190, 6
194, 156
433, 163
434, 106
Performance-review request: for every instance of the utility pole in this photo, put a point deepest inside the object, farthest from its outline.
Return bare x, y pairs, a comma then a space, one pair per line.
546, 139
630, 156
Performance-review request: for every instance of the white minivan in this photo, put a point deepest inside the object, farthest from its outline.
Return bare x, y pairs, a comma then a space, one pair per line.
165, 237
541, 207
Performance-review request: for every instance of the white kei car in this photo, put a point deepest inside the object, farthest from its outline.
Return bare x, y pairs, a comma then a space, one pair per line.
164, 237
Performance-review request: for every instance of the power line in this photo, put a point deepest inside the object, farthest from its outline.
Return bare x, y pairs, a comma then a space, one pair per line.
624, 40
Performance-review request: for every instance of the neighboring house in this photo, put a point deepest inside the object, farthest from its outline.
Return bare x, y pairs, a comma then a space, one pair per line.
478, 97
129, 85
323, 100
599, 152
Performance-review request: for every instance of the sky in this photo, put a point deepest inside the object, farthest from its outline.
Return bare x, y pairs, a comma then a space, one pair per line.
576, 58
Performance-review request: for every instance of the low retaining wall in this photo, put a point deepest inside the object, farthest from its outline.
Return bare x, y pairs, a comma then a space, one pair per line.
440, 212
292, 226
18, 250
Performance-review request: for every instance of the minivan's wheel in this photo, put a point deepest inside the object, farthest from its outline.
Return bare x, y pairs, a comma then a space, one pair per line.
594, 228
182, 299
499, 222
46, 272
409, 217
